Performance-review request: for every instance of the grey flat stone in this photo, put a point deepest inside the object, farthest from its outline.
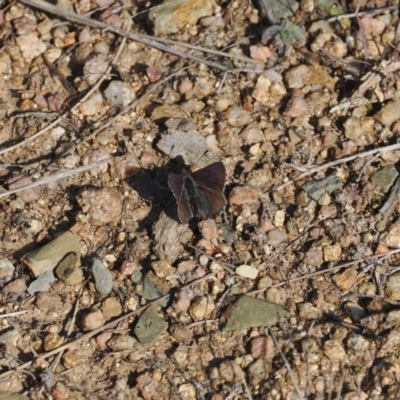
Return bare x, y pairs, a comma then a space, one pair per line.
249, 312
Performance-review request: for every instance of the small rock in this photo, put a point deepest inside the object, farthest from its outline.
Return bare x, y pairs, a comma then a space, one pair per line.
150, 327
111, 308
60, 391
259, 52
102, 339
104, 205
153, 73
208, 229
385, 177
261, 90
94, 68
315, 189
6, 270
182, 301
201, 308
69, 269
122, 342
307, 311
5, 395
313, 258
181, 333
52, 341
230, 371
325, 200
188, 391
92, 106
180, 356
388, 114
393, 287
263, 347
349, 148
92, 156
249, 312
252, 135
276, 237
334, 351
243, 195
102, 277
360, 130
31, 46
119, 94
16, 286
279, 219
26, 24
391, 238
93, 320
237, 117
258, 371
127, 166
42, 283
298, 106
162, 268
357, 342
153, 287
247, 271
303, 75
346, 279
332, 252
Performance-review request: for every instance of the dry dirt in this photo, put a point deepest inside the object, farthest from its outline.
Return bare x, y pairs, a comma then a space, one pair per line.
306, 123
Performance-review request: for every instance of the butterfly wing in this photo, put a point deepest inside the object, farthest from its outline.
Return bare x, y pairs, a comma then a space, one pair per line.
211, 177
175, 182
210, 202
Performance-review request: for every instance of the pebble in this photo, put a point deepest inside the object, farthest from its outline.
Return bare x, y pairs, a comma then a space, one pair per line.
162, 268
391, 238
252, 134
93, 105
122, 342
261, 89
126, 166
182, 301
393, 287
279, 219
359, 130
298, 106
93, 320
31, 46
102, 339
332, 252
237, 117
246, 271
349, 148
103, 278
263, 347
315, 189
181, 333
188, 391
249, 312
111, 307
119, 94
6, 270
24, 25
258, 371
69, 269
346, 279
385, 177
243, 195
94, 68
357, 342
313, 258
201, 308
260, 52
60, 391
303, 75
276, 237
388, 114
5, 395
153, 287
42, 283
334, 351
16, 286
307, 311
150, 327
52, 341
104, 205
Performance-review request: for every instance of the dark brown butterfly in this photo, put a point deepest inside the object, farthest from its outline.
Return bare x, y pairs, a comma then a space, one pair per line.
199, 193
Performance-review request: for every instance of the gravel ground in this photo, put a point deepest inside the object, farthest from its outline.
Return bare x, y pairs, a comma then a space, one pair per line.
109, 291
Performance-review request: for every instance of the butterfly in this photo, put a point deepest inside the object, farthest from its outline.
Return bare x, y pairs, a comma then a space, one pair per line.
199, 193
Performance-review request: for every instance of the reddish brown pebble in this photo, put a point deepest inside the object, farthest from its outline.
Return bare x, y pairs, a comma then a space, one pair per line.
260, 53
242, 195
102, 339
209, 229
16, 286
153, 73
60, 391
349, 148
263, 347
147, 159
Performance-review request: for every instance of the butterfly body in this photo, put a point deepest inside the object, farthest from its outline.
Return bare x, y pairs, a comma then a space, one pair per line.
199, 193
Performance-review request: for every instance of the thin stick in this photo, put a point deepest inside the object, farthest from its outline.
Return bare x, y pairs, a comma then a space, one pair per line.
109, 325
55, 177
13, 314
344, 160
222, 263
362, 13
